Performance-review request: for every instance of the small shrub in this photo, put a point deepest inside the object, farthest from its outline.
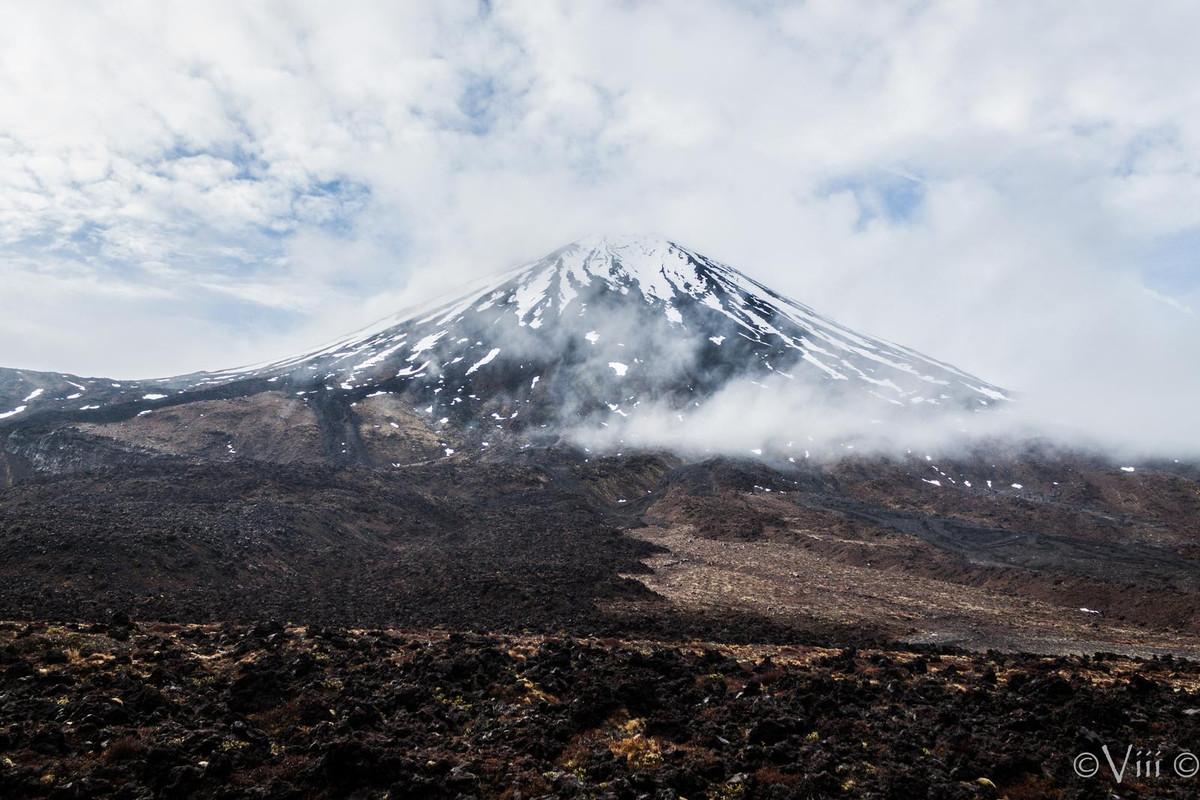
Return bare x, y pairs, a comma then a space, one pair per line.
122, 749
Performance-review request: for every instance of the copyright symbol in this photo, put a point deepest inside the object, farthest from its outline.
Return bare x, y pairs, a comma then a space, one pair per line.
1187, 765
1087, 765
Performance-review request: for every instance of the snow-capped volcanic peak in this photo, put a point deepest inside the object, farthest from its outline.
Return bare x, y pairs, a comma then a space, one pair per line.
659, 270
607, 326
623, 299
677, 323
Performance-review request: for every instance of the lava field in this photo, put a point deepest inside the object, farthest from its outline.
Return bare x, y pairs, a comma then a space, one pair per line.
141, 710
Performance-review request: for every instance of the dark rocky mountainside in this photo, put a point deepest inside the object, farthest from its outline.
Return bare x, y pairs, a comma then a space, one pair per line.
861, 552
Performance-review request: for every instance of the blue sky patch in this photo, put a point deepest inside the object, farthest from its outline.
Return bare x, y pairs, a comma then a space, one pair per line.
880, 195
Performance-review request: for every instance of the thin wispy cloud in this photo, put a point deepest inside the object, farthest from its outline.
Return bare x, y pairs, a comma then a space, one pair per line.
1014, 188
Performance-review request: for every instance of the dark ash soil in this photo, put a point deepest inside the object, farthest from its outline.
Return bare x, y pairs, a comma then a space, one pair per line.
498, 546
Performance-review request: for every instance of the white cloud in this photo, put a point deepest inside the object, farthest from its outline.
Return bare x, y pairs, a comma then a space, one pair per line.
992, 184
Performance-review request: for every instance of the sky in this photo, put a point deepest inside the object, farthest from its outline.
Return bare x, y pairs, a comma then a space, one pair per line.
1011, 187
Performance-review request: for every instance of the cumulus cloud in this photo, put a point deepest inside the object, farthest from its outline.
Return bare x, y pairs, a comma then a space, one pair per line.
1014, 188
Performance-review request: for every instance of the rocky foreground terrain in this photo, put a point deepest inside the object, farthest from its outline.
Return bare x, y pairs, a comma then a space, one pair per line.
136, 710
558, 625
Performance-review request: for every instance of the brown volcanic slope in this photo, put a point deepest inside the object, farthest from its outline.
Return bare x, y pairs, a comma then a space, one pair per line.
856, 552
1099, 558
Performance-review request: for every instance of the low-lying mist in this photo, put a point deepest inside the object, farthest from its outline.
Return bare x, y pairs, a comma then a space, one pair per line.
791, 419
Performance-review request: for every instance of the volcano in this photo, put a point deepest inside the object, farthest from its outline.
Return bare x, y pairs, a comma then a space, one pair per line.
595, 335
482, 463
